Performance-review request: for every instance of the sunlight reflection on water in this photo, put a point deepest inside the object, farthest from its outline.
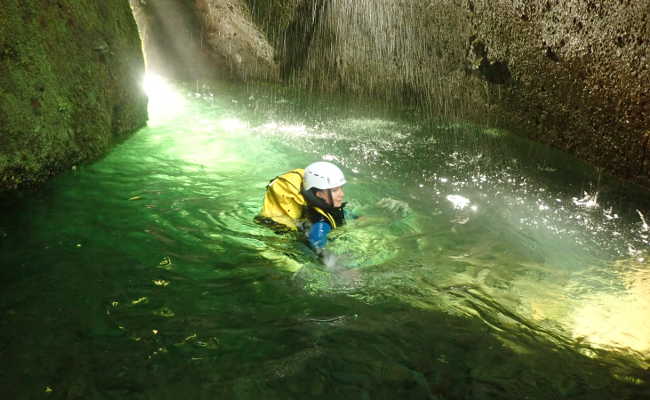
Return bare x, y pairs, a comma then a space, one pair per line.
473, 251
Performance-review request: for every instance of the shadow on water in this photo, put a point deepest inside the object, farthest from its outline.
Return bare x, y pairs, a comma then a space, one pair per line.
144, 276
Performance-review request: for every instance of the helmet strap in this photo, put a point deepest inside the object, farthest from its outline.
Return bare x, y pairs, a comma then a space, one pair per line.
329, 194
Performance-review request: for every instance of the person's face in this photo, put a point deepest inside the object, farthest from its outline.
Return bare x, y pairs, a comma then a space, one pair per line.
337, 196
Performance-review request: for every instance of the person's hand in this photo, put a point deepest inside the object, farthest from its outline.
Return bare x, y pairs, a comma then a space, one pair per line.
329, 259
333, 262
395, 206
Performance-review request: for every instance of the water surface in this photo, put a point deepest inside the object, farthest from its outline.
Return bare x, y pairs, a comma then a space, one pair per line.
483, 266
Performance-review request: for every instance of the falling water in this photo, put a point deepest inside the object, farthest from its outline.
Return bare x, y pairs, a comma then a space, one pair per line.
405, 52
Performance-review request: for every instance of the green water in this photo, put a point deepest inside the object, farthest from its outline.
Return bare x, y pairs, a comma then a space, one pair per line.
482, 267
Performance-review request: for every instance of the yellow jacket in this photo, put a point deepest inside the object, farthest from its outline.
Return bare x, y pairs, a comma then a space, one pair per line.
284, 202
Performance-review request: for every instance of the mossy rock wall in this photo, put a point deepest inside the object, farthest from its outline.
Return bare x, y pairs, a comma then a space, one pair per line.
70, 85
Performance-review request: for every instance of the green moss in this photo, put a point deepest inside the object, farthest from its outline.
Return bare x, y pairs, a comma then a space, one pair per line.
65, 66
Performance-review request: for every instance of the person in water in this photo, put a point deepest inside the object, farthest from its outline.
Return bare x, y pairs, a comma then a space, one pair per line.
310, 200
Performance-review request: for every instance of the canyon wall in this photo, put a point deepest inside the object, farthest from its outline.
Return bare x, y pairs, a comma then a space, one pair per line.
70, 85
573, 74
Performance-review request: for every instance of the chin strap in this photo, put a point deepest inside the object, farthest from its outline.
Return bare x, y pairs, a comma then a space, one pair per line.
329, 194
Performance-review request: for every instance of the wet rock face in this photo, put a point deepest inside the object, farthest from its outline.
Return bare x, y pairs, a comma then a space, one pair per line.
572, 74
230, 32
70, 74
579, 76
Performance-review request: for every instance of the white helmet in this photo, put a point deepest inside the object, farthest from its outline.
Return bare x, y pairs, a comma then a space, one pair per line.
323, 175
